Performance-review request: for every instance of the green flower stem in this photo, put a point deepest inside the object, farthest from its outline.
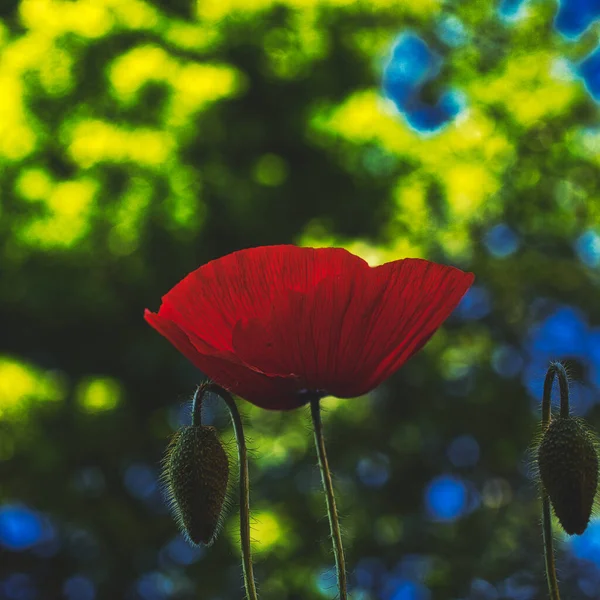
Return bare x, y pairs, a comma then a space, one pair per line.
334, 522
549, 548
244, 487
555, 368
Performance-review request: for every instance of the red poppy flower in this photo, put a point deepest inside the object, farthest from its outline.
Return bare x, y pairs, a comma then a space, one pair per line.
276, 323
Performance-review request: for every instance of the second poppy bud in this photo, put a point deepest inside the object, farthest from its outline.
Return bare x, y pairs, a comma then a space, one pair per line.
568, 466
196, 471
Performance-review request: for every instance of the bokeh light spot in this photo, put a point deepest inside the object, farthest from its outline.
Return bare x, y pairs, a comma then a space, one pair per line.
180, 552
155, 586
79, 587
410, 66
511, 10
99, 394
388, 529
20, 527
501, 241
34, 184
575, 16
463, 451
475, 304
326, 583
267, 531
94, 141
507, 361
373, 471
19, 586
65, 218
21, 382
270, 170
415, 567
589, 70
483, 590
369, 571
399, 588
141, 481
587, 545
452, 31
496, 492
587, 247
446, 498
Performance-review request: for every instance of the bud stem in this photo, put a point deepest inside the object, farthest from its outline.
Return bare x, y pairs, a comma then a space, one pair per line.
548, 548
334, 522
244, 483
555, 368
197, 405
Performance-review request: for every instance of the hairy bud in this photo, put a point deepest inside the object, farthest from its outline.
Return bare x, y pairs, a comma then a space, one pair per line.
568, 466
196, 472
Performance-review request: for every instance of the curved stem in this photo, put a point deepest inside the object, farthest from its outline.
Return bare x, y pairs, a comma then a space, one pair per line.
244, 485
555, 368
197, 405
334, 522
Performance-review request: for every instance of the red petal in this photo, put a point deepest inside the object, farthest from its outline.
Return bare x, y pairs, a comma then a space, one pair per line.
248, 284
265, 391
352, 331
174, 334
303, 335
409, 300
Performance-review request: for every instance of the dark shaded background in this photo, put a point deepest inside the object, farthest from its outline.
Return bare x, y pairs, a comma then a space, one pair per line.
139, 140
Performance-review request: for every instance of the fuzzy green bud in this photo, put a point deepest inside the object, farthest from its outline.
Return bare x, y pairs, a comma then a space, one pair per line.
196, 472
568, 464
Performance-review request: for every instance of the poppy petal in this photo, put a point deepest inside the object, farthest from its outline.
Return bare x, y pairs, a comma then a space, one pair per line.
248, 284
276, 393
174, 334
410, 299
353, 330
303, 335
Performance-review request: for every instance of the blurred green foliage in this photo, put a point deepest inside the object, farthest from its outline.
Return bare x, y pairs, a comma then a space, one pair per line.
139, 140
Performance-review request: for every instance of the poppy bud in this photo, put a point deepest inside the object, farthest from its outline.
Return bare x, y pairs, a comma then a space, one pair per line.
568, 464
196, 471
